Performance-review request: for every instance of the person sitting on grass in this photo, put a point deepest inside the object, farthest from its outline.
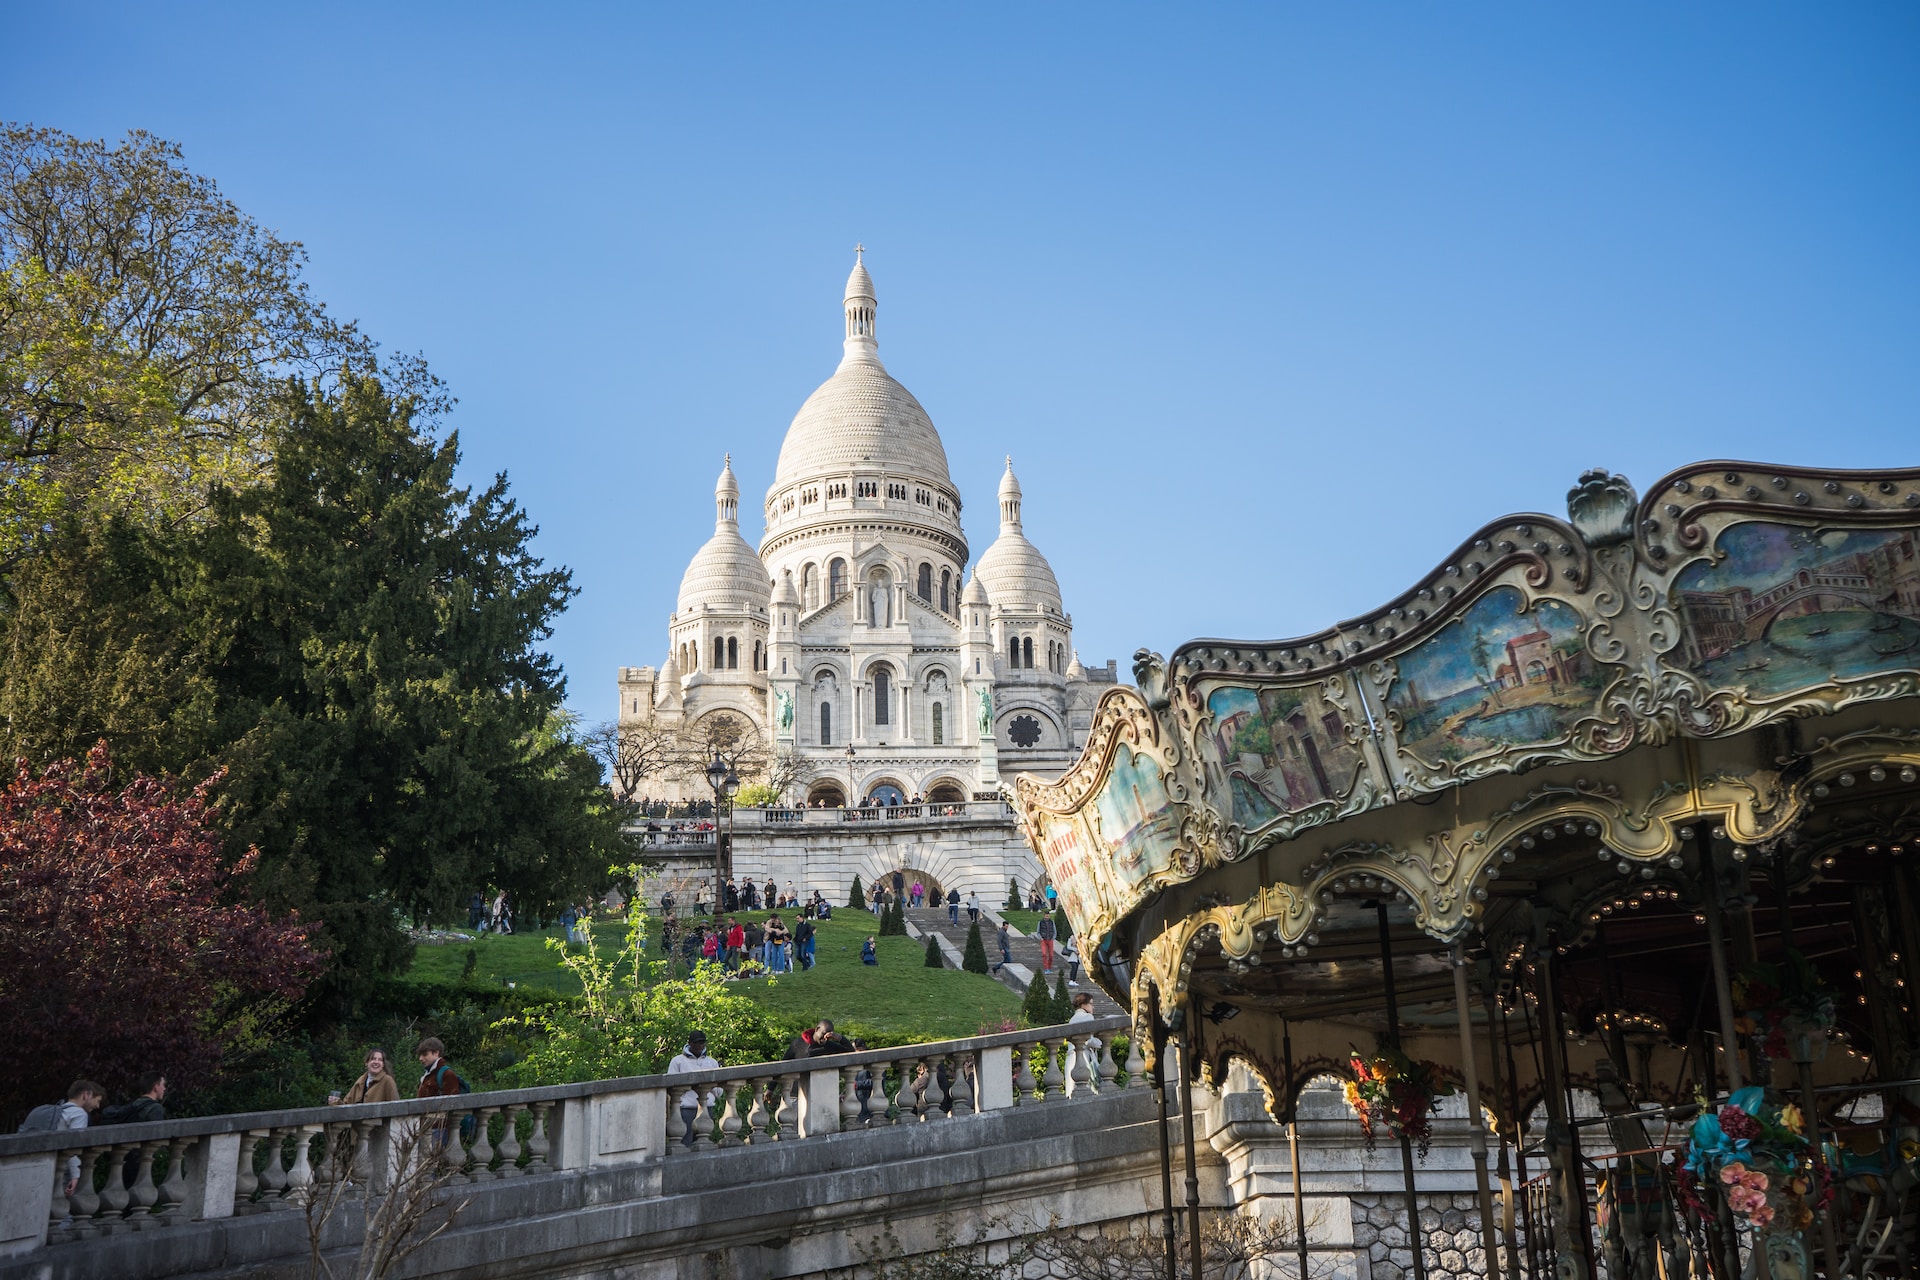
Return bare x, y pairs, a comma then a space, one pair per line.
869, 954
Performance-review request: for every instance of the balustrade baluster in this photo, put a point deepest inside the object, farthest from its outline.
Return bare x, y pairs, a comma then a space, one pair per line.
86, 1201
452, 1145
537, 1143
1079, 1078
59, 1211
173, 1189
1104, 1071
300, 1177
482, 1149
510, 1143
849, 1098
144, 1193
676, 1125
1053, 1084
1023, 1084
273, 1178
905, 1103
757, 1115
966, 1082
786, 1118
246, 1181
935, 1105
1136, 1062
730, 1124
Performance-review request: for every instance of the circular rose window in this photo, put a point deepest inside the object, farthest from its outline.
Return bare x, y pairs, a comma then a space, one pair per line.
1025, 731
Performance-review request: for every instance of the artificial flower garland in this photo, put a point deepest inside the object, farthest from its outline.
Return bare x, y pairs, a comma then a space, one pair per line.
1391, 1091
1755, 1153
1785, 1007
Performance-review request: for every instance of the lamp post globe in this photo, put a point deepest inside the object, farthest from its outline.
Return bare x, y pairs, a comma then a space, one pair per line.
719, 774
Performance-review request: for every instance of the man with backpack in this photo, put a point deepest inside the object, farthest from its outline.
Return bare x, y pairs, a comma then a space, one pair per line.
438, 1079
143, 1109
83, 1099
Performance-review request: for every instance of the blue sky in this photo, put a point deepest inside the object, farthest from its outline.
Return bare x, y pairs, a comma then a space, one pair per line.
1272, 304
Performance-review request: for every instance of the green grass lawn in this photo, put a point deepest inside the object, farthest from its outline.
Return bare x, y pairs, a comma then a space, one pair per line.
899, 1000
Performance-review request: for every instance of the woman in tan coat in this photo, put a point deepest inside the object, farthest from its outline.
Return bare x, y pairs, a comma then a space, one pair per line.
376, 1084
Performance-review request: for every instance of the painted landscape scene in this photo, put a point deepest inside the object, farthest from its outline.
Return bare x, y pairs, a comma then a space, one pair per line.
1787, 608
1283, 750
1136, 817
1502, 676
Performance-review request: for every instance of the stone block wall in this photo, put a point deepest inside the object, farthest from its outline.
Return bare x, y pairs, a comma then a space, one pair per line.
1449, 1227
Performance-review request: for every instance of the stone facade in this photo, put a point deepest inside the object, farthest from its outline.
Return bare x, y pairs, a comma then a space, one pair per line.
850, 626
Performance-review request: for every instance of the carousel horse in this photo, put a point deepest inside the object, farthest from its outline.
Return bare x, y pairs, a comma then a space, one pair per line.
1879, 1171
1636, 1217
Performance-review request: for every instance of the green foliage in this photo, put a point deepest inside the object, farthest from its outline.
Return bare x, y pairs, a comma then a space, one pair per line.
1013, 895
756, 795
894, 923
1037, 1009
631, 1021
1062, 999
856, 896
1064, 926
934, 959
468, 969
974, 958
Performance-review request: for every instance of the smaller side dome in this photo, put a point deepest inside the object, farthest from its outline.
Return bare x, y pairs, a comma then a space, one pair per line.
1016, 575
785, 593
1074, 670
726, 573
976, 593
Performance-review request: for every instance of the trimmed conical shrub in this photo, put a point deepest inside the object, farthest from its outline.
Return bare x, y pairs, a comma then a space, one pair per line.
1062, 1002
1037, 1010
1013, 896
857, 896
934, 959
1065, 927
974, 958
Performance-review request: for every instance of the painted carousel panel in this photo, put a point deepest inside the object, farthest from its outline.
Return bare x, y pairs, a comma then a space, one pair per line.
1783, 608
1504, 676
1283, 750
1064, 849
1134, 819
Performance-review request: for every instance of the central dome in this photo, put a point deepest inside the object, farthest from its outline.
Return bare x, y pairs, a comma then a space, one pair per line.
860, 419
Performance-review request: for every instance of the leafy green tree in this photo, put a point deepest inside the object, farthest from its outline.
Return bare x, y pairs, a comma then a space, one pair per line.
934, 959
857, 896
1037, 1009
1062, 999
145, 326
974, 958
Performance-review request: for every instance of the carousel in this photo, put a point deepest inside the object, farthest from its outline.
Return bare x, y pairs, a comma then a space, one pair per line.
1611, 824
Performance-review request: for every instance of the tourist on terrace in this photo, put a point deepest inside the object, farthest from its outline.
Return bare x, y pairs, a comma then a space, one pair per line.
731, 897
375, 1084
1083, 1012
693, 1058
83, 1099
776, 949
919, 895
953, 906
438, 1079
868, 953
1006, 948
1046, 931
772, 896
736, 943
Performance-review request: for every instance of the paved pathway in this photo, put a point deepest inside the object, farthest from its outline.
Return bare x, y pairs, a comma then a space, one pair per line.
1025, 949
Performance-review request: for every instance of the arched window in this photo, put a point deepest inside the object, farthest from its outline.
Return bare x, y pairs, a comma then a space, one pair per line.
810, 587
1028, 646
733, 654
719, 653
882, 688
926, 582
756, 655
836, 579
939, 726
826, 724
946, 590
1013, 651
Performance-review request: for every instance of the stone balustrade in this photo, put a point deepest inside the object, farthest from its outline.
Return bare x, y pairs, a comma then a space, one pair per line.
61, 1188
911, 814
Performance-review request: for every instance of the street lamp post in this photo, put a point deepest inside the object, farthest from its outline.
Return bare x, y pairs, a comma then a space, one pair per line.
724, 781
849, 775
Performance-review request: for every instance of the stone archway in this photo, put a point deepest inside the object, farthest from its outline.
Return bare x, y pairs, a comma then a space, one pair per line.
946, 791
826, 794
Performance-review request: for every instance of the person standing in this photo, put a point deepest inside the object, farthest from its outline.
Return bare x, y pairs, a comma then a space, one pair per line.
1046, 931
736, 943
803, 940
375, 1084
692, 1103
1053, 897
953, 906
776, 951
1083, 1012
144, 1107
476, 910
1070, 956
1006, 948
76, 1112
438, 1079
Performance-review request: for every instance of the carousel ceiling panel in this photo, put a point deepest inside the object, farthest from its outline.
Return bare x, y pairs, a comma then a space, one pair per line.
1603, 681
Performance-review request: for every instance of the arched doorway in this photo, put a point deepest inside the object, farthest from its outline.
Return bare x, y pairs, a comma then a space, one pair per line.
826, 795
946, 791
886, 793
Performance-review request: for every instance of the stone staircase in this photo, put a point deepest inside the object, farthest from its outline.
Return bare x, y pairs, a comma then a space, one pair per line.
1025, 949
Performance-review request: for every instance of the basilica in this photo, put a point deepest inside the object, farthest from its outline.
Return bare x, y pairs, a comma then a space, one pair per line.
854, 636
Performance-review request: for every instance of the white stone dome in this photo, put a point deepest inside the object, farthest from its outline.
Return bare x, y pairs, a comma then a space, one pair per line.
860, 418
726, 573
1015, 574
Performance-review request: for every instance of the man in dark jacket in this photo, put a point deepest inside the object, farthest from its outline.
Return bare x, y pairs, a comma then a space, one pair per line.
803, 942
142, 1109
828, 1041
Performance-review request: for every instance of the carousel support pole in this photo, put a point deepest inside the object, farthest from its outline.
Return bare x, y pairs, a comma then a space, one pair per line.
1908, 901
1293, 1146
1166, 1147
1189, 1044
1810, 1106
1416, 1239
1477, 1128
1511, 1262
1575, 1242
1722, 980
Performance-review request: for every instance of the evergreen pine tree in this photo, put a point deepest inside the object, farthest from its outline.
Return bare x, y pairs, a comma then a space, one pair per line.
856, 896
1037, 1009
974, 959
1064, 926
934, 959
1062, 1003
1013, 896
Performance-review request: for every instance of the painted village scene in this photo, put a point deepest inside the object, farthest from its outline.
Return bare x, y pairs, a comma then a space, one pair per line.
1135, 816
1283, 750
1503, 675
1784, 607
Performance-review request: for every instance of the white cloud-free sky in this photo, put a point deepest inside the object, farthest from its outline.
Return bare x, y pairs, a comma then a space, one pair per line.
1271, 304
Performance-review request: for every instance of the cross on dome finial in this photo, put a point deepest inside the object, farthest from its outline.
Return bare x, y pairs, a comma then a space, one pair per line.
859, 254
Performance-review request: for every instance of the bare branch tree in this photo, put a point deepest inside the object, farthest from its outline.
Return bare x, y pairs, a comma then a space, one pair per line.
789, 771
733, 738
632, 752
404, 1206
